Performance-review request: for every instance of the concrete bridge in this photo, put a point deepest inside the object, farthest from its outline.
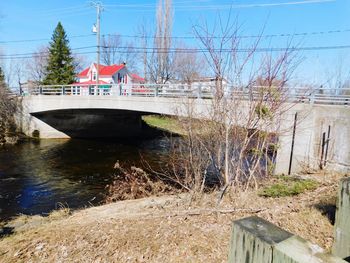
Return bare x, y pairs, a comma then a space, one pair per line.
93, 116
322, 133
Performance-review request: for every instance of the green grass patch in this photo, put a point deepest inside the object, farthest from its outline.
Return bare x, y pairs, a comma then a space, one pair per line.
163, 122
288, 186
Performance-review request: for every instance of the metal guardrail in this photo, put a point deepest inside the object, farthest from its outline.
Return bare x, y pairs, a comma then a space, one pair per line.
295, 94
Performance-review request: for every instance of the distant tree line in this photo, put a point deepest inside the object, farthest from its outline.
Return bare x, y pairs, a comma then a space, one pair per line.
8, 108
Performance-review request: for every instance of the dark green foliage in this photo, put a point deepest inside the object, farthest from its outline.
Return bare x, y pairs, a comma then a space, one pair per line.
263, 111
60, 67
2, 78
288, 186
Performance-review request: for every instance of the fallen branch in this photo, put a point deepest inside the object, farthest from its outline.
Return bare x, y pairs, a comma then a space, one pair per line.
182, 213
197, 212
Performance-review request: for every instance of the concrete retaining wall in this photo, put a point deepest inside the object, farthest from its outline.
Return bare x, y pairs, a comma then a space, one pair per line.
312, 122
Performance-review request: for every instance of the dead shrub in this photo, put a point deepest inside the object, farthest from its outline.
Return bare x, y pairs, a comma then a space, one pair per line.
135, 183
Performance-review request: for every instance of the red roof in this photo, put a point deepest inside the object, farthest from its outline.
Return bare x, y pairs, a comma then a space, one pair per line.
90, 82
84, 73
103, 70
137, 77
110, 70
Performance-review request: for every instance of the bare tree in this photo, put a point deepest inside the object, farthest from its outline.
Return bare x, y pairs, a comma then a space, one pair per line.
338, 78
144, 33
188, 66
233, 142
110, 48
129, 57
14, 73
79, 62
19, 73
160, 62
8, 69
117, 51
36, 66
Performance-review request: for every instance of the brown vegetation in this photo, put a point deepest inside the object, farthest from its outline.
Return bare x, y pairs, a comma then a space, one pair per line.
231, 145
168, 228
133, 183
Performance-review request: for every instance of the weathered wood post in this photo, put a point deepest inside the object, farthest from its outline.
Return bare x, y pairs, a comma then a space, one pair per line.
341, 246
255, 240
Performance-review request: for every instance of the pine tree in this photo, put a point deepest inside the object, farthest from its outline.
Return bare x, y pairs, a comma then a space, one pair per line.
2, 78
60, 67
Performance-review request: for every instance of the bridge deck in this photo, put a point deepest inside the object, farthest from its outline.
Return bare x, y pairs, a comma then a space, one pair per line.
291, 94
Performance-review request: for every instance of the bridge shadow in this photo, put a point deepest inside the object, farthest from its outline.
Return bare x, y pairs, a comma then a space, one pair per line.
98, 123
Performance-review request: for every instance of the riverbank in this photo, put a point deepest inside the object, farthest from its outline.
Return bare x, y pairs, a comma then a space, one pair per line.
168, 228
165, 123
12, 138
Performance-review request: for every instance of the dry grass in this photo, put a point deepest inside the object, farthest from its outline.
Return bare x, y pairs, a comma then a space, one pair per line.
168, 228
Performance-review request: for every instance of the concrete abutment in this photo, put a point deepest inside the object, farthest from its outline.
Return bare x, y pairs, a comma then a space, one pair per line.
321, 141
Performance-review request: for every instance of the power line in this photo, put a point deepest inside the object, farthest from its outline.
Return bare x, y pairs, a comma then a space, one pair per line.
140, 50
40, 52
40, 39
220, 6
43, 55
193, 37
243, 36
224, 50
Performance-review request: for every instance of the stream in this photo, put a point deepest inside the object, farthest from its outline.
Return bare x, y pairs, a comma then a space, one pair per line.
39, 176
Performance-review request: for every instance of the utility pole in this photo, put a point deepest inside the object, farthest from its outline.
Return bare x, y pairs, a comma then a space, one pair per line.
99, 9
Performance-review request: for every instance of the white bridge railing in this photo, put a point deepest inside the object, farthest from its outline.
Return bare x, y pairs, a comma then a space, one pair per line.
295, 94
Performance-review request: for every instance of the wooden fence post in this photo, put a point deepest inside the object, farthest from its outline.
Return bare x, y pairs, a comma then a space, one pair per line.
341, 246
255, 240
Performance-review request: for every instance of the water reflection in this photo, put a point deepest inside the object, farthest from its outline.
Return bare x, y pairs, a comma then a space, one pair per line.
36, 176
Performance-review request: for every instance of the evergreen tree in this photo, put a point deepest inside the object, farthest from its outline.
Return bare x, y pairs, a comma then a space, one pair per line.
2, 78
60, 67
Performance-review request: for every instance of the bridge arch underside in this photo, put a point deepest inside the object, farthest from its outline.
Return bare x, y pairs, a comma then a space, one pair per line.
91, 123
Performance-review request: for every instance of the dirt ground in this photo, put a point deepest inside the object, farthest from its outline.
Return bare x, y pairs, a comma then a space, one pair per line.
165, 229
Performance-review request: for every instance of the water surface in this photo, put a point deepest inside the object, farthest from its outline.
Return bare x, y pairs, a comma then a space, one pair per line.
36, 177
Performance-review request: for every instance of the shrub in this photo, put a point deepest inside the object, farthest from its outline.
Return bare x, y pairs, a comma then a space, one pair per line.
288, 186
134, 183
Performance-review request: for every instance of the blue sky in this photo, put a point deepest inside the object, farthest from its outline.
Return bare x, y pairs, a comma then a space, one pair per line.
32, 20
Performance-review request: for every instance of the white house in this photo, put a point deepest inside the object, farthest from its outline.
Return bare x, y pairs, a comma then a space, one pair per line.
113, 74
